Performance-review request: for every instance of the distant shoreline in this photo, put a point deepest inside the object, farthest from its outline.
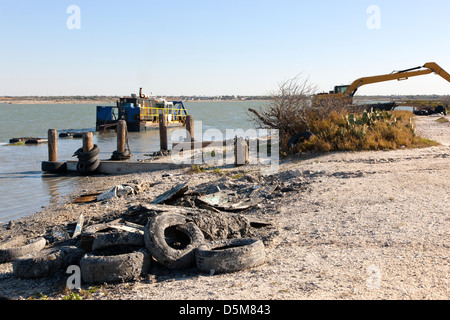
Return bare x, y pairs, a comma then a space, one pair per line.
4, 101
51, 102
114, 99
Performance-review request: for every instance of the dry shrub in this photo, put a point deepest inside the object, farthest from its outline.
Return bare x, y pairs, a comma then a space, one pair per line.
332, 134
287, 110
294, 109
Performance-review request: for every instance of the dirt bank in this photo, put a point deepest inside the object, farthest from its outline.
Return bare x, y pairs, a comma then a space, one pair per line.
363, 225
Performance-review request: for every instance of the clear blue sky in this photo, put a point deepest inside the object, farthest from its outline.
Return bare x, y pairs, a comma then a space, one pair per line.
216, 47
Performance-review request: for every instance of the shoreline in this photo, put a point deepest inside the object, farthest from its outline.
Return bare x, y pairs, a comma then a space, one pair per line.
106, 101
113, 100
349, 213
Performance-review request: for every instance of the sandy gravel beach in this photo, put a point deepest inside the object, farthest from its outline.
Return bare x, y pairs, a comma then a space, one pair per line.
361, 225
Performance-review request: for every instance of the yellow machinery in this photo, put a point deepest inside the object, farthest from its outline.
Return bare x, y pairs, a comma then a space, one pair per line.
347, 92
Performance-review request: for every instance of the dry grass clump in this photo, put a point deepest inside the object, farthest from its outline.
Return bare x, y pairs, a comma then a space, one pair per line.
335, 133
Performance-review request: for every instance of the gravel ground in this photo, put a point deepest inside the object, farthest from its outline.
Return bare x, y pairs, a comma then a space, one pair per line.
364, 225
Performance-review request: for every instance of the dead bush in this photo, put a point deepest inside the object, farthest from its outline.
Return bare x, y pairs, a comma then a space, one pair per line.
295, 108
287, 109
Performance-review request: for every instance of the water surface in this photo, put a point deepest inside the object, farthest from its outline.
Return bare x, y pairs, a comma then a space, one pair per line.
24, 189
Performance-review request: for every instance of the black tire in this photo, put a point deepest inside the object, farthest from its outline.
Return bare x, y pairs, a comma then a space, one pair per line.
46, 262
85, 156
56, 167
15, 140
114, 268
118, 238
87, 167
172, 239
34, 141
65, 135
118, 156
230, 255
90, 233
16, 248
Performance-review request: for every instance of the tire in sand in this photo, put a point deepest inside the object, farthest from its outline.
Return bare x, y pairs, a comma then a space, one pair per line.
54, 166
230, 255
172, 239
46, 262
19, 247
118, 238
114, 268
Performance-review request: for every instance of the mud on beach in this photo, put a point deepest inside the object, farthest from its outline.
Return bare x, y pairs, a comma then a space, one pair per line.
347, 225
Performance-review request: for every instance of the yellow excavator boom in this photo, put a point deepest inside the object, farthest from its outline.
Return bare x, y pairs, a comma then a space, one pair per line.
438, 70
428, 68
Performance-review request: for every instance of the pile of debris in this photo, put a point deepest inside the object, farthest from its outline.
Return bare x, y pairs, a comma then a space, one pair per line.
203, 229
427, 111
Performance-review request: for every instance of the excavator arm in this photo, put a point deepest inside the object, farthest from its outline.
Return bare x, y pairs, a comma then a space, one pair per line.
428, 68
438, 70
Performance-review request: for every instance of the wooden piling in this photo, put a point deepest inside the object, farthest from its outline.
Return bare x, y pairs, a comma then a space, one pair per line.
163, 132
190, 127
121, 136
240, 152
52, 145
88, 141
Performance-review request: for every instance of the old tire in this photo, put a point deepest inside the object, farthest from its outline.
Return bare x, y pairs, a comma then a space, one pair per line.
119, 156
54, 167
90, 233
85, 156
114, 268
172, 239
86, 167
229, 255
46, 262
65, 134
14, 249
118, 238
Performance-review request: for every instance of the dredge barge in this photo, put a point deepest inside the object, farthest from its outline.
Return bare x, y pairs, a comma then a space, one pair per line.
141, 113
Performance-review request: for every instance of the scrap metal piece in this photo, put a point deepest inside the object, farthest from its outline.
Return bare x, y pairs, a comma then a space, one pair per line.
172, 194
78, 227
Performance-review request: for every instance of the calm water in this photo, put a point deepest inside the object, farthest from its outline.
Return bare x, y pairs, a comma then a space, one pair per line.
24, 189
